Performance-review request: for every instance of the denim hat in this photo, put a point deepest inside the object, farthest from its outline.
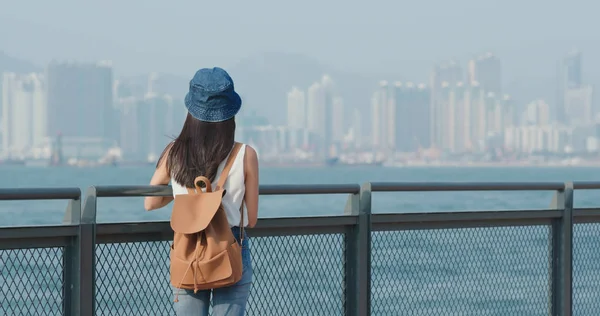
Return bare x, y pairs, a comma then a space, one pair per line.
212, 97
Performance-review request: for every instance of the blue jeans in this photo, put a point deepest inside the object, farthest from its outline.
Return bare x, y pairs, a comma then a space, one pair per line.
226, 301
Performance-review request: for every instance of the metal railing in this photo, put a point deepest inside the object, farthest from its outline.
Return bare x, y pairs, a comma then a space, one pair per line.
359, 263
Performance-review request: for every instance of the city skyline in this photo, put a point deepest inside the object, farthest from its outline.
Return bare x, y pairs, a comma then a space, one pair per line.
467, 112
322, 121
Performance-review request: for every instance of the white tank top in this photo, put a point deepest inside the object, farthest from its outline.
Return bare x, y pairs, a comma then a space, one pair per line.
234, 185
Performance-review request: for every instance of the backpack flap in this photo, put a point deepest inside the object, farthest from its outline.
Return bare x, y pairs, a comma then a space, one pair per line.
193, 212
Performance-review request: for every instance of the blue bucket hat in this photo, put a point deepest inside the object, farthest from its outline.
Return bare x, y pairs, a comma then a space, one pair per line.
212, 97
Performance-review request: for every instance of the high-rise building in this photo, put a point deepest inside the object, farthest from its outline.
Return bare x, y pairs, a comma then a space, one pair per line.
446, 117
80, 101
536, 113
296, 109
572, 70
315, 112
129, 132
329, 96
509, 111
23, 113
338, 122
411, 121
460, 106
357, 128
473, 118
443, 76
578, 105
380, 105
389, 122
297, 118
403, 129
569, 78
146, 126
477, 116
494, 123
533, 138
486, 70
321, 116
376, 135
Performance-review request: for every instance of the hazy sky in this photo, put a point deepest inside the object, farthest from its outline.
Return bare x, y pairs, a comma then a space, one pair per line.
362, 36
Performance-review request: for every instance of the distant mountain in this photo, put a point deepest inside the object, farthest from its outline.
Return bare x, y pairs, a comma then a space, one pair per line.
12, 64
162, 83
263, 81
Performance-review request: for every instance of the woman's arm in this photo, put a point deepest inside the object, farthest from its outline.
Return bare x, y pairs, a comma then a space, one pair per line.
160, 177
251, 179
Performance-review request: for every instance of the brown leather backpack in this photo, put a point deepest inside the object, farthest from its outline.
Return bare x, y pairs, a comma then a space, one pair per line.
204, 254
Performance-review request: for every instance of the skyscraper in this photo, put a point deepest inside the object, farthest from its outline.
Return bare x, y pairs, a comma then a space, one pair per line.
569, 78
578, 107
357, 128
379, 116
411, 122
80, 100
297, 118
478, 116
537, 113
487, 71
146, 126
443, 76
329, 96
315, 112
572, 70
23, 113
338, 122
322, 122
460, 104
296, 109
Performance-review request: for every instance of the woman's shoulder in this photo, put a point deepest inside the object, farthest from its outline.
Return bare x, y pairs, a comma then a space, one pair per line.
249, 150
250, 156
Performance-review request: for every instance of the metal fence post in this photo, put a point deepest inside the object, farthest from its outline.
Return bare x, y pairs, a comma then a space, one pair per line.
358, 254
562, 253
87, 252
350, 255
71, 282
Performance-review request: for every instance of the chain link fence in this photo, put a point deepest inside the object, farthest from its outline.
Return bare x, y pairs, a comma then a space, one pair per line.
298, 275
31, 281
468, 271
293, 275
586, 269
133, 279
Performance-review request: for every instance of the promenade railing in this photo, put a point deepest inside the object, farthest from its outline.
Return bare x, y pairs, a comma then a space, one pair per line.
512, 262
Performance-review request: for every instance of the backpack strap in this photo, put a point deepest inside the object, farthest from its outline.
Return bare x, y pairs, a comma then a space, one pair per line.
242, 230
223, 178
228, 164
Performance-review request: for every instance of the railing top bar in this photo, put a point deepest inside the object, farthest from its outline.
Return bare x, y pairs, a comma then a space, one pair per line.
133, 190
40, 194
586, 185
465, 216
271, 189
466, 186
147, 190
276, 189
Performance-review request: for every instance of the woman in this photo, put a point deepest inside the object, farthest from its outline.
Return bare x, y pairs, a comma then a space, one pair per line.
202, 147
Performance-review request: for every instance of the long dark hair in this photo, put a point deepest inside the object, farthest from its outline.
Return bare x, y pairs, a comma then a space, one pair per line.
198, 150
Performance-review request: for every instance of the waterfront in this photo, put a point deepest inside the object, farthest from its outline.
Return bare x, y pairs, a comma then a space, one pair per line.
472, 271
